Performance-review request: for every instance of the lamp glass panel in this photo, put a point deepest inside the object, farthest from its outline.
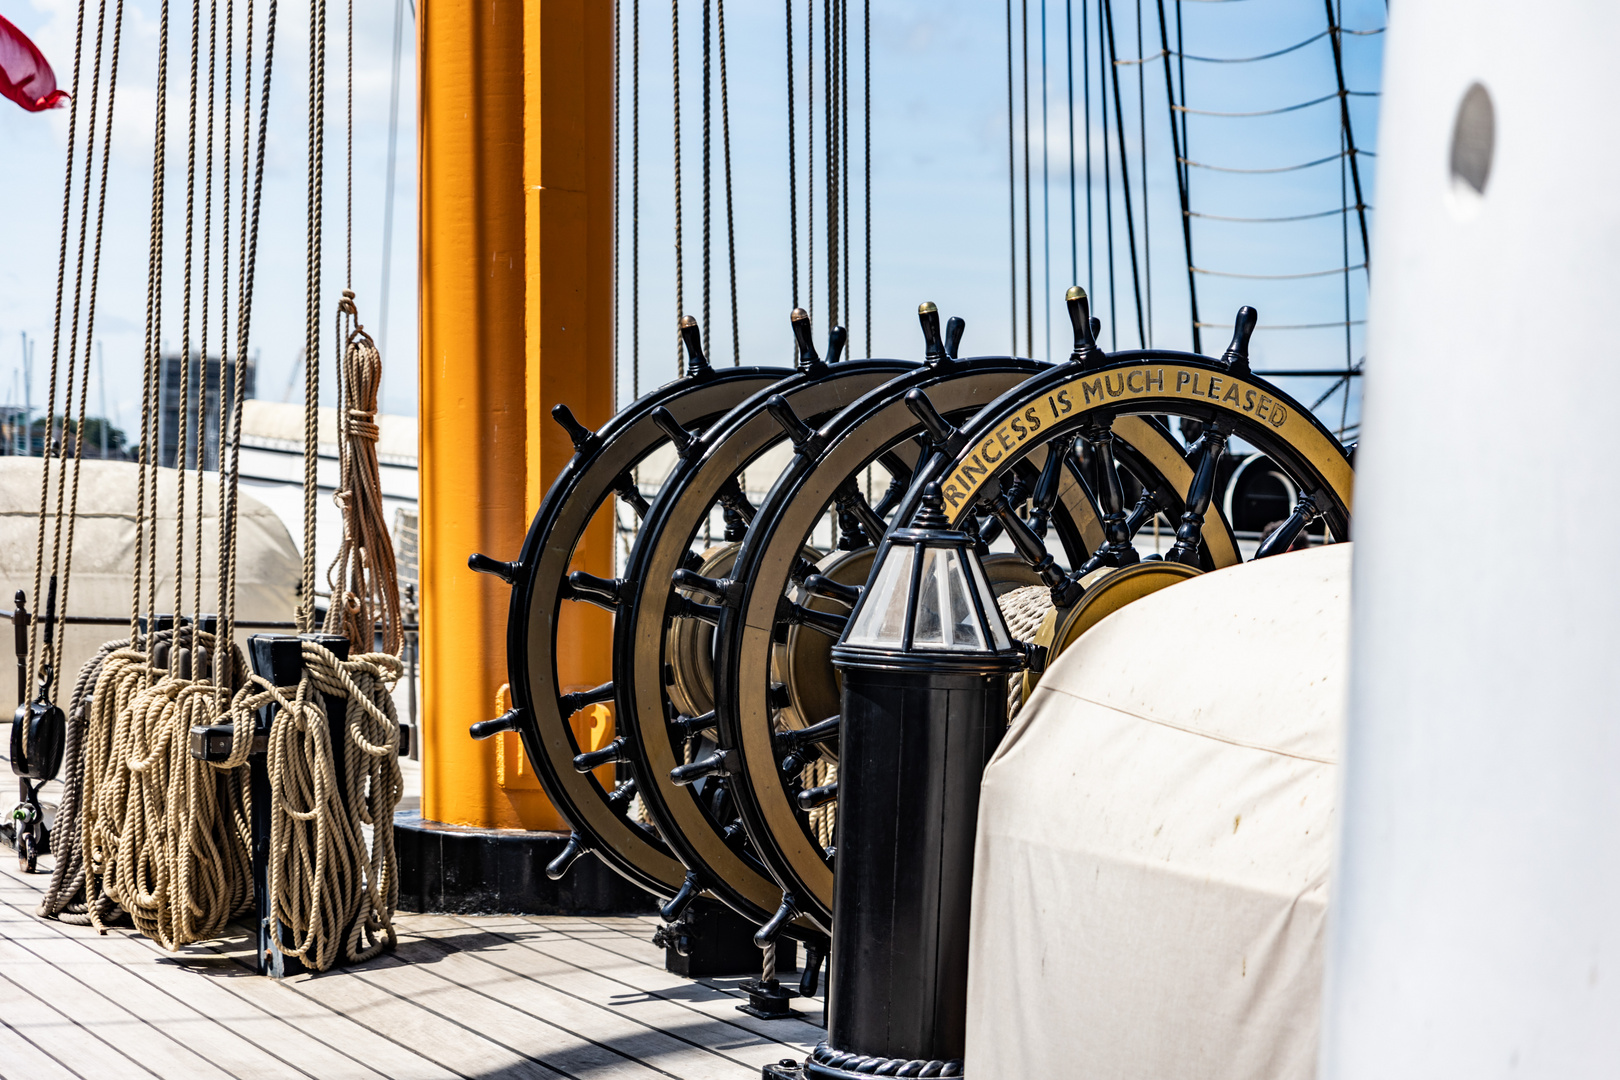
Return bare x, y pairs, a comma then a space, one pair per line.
945, 615
881, 617
992, 610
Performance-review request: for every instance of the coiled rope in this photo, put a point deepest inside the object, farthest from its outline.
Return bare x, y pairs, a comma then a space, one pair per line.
165, 836
1024, 609
330, 888
363, 578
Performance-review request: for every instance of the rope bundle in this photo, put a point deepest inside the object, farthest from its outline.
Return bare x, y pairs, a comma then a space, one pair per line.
65, 897
1024, 609
329, 889
363, 577
163, 835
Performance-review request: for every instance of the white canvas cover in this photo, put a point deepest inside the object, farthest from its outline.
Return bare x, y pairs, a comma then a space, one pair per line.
268, 565
1151, 875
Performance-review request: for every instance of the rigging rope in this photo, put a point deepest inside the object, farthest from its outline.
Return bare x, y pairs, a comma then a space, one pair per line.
1012, 196
1125, 177
705, 328
793, 167
312, 299
635, 198
725, 150
1281, 277
1279, 169
1074, 223
1029, 279
1147, 218
810, 155
866, 131
1181, 184
675, 67
1337, 210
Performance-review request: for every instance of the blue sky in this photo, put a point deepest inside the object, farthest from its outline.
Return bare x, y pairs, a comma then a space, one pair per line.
939, 188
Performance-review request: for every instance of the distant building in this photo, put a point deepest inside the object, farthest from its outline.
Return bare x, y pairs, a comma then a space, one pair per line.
168, 437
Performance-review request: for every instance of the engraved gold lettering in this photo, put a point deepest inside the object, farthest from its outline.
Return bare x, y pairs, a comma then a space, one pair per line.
1155, 380
953, 495
1248, 401
1131, 386
1195, 383
1265, 406
1231, 393
1063, 400
1006, 443
1279, 415
1094, 387
1018, 426
1182, 379
974, 467
1108, 383
1214, 385
1033, 418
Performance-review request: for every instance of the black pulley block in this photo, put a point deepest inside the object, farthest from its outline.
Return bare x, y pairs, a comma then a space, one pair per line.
38, 738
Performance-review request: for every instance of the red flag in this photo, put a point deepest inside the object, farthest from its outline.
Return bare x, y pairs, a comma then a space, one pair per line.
25, 75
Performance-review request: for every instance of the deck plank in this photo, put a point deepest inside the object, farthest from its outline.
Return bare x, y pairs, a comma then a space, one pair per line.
472, 999
671, 1008
80, 1047
22, 1060
711, 997
672, 1039
218, 979
462, 998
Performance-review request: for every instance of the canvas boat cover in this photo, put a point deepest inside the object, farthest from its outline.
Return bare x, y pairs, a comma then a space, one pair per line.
268, 566
1155, 832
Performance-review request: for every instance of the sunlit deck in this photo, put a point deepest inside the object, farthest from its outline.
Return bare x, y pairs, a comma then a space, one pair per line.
462, 996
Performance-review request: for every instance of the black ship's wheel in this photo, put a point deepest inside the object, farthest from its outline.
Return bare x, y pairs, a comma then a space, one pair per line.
544, 606
694, 813
767, 736
1089, 403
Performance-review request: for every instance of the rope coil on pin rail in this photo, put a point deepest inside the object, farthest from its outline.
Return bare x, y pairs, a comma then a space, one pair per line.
164, 832
363, 577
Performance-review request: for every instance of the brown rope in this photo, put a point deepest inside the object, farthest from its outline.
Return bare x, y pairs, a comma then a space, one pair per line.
363, 579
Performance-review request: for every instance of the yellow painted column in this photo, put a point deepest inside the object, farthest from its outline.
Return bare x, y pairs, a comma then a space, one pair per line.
472, 395
568, 188
515, 145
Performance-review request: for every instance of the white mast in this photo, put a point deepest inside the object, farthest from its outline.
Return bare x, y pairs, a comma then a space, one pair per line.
1476, 923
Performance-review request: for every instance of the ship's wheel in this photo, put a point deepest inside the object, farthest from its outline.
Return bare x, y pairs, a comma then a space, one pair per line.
776, 707
599, 481
695, 813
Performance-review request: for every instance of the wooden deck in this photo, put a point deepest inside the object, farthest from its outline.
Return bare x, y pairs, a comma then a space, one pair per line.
470, 997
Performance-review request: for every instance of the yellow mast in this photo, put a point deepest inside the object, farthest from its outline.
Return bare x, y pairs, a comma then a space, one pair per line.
515, 146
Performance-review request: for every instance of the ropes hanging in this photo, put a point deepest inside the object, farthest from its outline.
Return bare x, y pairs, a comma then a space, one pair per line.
157, 821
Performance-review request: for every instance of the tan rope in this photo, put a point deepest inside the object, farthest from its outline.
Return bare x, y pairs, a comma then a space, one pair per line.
65, 897
164, 835
331, 890
1024, 609
820, 773
364, 580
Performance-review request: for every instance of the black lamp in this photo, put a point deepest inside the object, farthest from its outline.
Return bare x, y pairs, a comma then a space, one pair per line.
925, 661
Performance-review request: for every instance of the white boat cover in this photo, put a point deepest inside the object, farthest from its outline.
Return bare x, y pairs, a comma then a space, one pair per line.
268, 566
1151, 878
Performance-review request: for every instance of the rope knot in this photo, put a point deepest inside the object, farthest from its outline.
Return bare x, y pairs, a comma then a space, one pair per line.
362, 424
